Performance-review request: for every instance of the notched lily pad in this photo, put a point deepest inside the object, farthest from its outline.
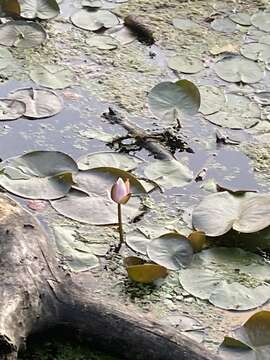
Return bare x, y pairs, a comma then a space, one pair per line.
212, 99
250, 341
173, 251
22, 34
143, 272
6, 58
94, 20
229, 278
102, 42
241, 18
256, 51
11, 109
238, 112
224, 25
169, 173
218, 213
78, 258
52, 76
122, 34
39, 103
261, 20
90, 201
108, 158
185, 64
42, 9
168, 100
237, 68
38, 175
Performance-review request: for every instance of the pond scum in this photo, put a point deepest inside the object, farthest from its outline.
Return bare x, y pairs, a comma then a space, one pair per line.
187, 86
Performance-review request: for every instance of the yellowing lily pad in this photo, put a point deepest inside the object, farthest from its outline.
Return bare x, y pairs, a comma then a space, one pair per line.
52, 76
143, 272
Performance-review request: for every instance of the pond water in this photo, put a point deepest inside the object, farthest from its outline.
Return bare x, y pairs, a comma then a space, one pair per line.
121, 79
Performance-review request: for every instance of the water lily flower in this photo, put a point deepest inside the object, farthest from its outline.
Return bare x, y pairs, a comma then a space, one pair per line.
120, 192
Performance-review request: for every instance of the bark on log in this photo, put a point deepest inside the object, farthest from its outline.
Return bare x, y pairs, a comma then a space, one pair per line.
36, 294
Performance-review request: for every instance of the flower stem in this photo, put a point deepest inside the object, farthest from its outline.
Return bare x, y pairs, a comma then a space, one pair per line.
120, 229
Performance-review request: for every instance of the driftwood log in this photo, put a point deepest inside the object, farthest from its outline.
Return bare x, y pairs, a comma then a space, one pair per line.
37, 295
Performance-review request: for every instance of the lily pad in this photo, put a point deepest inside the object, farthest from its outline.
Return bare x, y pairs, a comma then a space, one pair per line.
67, 245
94, 20
250, 341
168, 100
212, 99
256, 51
219, 212
38, 174
137, 241
90, 202
261, 20
42, 9
237, 68
102, 42
184, 24
122, 34
238, 113
168, 173
6, 58
11, 109
173, 251
39, 103
241, 18
224, 25
52, 76
140, 271
91, 133
223, 277
108, 158
91, 3
22, 34
185, 64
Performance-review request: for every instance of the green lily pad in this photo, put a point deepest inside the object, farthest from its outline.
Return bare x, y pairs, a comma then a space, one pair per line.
173, 251
224, 25
241, 18
97, 134
108, 158
184, 24
6, 58
249, 341
219, 212
22, 34
102, 42
212, 99
168, 100
11, 109
42, 9
91, 3
264, 39
238, 113
256, 51
94, 20
237, 68
168, 173
52, 76
261, 20
122, 34
137, 241
77, 259
185, 64
90, 201
38, 175
39, 103
227, 279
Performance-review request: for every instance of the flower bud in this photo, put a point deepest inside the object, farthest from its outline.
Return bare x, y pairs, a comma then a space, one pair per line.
120, 192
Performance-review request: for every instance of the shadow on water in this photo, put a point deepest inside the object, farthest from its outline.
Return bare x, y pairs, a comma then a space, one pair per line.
60, 344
